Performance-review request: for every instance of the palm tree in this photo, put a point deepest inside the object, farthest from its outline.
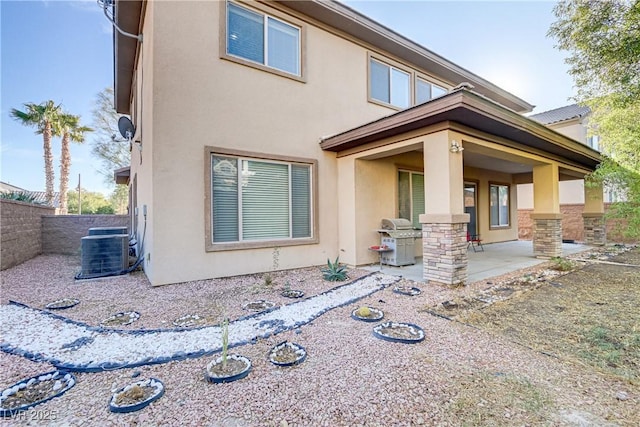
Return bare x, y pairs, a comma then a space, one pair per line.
69, 127
44, 118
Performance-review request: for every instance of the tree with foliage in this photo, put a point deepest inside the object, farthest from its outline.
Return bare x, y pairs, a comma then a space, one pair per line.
44, 117
119, 199
92, 203
113, 151
69, 127
603, 40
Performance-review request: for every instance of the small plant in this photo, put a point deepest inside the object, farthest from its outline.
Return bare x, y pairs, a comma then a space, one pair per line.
364, 311
268, 280
225, 341
562, 264
334, 271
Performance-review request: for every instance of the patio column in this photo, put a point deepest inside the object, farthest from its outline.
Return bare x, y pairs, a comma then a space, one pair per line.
547, 219
593, 215
444, 223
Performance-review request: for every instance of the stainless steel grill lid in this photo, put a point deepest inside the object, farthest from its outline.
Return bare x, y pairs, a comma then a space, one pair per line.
396, 224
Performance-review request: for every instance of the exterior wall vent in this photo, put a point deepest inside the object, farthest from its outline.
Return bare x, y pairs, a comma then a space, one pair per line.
104, 255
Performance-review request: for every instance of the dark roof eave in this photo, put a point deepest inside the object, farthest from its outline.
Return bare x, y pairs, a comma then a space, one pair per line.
472, 110
122, 175
127, 17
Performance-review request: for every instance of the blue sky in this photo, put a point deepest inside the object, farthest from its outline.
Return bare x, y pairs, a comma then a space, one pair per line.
63, 51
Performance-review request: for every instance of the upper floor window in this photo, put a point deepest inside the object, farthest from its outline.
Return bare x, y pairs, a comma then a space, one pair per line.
426, 90
594, 142
389, 84
263, 39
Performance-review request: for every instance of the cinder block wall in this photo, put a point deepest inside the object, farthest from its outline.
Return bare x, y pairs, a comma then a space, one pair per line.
61, 234
572, 224
21, 230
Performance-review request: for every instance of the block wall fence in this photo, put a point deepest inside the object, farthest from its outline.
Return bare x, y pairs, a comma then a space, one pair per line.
21, 231
572, 224
29, 230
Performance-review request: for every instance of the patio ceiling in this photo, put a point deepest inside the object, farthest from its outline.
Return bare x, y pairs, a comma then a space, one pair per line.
475, 112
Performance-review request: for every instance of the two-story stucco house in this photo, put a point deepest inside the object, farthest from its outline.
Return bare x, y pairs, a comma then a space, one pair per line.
277, 134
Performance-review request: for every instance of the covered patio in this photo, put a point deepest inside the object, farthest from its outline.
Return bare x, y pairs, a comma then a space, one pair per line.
451, 166
495, 260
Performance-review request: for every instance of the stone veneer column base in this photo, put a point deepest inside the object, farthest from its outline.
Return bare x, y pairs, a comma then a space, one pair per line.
444, 252
594, 229
547, 236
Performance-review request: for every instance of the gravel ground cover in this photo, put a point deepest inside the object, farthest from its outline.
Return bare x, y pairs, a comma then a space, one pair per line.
459, 375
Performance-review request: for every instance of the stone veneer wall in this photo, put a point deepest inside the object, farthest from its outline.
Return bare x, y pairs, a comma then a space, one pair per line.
21, 231
444, 256
61, 234
547, 237
594, 230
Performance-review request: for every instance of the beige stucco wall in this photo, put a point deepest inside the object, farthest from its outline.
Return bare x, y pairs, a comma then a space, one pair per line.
191, 98
571, 192
575, 129
484, 178
201, 100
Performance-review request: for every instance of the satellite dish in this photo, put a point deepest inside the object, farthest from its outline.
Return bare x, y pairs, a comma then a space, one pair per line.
127, 130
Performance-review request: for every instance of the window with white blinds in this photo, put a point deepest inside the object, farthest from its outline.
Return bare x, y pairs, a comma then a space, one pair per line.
255, 200
263, 39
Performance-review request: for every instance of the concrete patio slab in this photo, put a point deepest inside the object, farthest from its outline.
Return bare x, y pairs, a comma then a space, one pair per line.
497, 259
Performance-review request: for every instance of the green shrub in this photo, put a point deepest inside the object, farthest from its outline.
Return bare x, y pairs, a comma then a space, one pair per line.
20, 196
562, 264
334, 271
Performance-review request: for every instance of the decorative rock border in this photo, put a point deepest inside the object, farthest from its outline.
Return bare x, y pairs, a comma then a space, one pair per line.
63, 382
62, 304
292, 293
375, 316
121, 319
189, 321
209, 376
414, 334
291, 347
407, 290
43, 339
158, 392
259, 305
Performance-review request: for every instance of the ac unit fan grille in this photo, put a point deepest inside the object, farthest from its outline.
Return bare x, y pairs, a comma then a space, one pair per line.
104, 255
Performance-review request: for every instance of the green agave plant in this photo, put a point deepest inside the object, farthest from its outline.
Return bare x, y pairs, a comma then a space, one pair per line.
334, 271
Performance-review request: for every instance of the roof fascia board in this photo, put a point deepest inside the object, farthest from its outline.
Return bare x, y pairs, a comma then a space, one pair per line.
415, 117
125, 51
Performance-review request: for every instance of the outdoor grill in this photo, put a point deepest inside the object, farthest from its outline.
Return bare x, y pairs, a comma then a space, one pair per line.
398, 235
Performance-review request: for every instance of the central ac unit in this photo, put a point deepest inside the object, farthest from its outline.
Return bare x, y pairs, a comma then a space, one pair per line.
104, 255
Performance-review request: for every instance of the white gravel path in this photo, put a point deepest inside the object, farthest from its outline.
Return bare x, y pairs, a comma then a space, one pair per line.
51, 338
